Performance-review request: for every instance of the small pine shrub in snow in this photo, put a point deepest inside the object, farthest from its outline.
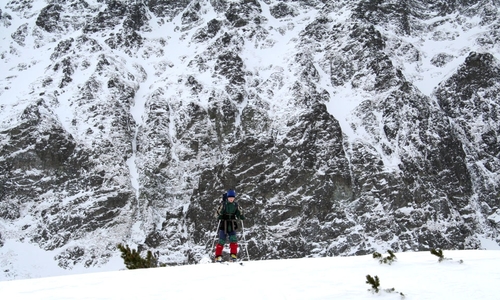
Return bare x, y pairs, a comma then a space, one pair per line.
439, 253
385, 260
133, 259
374, 282
375, 286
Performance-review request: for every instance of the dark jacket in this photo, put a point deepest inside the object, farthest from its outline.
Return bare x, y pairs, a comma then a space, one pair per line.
228, 213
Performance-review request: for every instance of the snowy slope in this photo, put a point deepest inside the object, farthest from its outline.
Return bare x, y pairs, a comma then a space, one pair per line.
416, 275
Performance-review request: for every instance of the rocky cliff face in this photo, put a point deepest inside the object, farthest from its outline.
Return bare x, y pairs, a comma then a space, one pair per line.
345, 127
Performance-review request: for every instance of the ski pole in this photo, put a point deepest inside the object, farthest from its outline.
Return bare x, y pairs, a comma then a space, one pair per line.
216, 233
244, 238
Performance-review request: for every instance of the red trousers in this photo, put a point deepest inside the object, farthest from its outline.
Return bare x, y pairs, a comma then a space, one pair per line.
233, 249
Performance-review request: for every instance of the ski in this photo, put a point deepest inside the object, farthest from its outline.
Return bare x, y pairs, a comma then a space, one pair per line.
239, 262
228, 263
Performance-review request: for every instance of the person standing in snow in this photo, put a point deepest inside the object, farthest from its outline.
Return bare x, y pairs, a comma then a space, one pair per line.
228, 212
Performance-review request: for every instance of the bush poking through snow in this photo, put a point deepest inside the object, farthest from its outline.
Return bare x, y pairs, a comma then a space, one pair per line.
385, 260
374, 282
375, 286
133, 259
439, 253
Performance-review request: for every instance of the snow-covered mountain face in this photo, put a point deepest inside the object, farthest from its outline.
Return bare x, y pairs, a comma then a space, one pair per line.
346, 127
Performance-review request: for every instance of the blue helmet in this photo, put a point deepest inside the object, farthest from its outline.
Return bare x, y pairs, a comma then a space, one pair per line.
231, 193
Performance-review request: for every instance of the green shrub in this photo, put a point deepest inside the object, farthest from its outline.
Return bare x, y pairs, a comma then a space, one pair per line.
375, 286
133, 259
374, 282
385, 260
439, 253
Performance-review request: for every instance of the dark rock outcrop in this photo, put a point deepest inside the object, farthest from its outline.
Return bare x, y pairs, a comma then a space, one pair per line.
140, 115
